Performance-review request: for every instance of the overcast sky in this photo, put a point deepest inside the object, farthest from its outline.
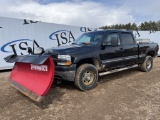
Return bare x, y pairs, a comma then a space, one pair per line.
90, 13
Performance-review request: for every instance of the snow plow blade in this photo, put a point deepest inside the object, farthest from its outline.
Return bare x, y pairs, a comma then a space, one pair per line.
32, 75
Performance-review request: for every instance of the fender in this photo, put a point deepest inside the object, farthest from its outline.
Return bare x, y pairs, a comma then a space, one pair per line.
96, 60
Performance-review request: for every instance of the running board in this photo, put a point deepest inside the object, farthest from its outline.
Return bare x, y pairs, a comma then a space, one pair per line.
117, 70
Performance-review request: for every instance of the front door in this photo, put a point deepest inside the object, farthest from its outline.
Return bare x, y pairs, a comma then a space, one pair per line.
112, 56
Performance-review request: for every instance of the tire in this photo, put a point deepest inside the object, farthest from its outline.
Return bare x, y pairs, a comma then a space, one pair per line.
147, 65
86, 77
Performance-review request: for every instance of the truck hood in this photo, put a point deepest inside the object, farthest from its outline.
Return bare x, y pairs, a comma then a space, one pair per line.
70, 49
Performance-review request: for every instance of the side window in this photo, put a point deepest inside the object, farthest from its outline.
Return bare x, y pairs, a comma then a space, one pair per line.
127, 38
110, 36
97, 38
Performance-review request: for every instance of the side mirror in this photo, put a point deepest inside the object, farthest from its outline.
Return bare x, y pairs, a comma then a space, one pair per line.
114, 41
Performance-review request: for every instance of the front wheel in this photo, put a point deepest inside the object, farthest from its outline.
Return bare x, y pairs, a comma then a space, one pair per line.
86, 77
147, 65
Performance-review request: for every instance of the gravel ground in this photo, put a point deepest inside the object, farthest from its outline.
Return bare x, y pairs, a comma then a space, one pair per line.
127, 95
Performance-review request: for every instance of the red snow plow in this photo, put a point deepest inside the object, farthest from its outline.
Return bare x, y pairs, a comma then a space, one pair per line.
32, 75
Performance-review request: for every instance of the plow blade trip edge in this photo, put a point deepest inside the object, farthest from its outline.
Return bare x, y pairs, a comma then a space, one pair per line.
31, 77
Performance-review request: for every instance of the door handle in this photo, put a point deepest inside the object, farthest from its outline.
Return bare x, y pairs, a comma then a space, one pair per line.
121, 50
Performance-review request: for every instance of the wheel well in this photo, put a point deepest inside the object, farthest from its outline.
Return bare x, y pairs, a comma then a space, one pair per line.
151, 53
92, 61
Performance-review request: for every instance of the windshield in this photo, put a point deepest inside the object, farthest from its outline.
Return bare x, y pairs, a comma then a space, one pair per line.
89, 38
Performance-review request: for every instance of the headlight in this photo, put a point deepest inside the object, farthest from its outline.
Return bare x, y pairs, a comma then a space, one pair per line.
64, 60
38, 50
64, 57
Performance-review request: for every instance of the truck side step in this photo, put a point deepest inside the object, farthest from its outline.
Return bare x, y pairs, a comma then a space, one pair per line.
117, 70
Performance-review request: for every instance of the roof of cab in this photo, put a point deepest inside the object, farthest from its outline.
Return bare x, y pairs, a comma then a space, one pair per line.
112, 30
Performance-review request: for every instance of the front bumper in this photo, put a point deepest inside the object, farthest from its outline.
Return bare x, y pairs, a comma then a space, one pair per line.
65, 72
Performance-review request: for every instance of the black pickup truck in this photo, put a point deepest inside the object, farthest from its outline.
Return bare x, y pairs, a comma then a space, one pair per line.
93, 54
98, 53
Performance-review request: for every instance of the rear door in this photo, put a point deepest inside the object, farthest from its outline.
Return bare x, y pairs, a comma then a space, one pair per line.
130, 48
112, 56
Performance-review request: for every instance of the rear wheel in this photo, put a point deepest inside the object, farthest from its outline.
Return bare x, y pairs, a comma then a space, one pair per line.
86, 77
147, 65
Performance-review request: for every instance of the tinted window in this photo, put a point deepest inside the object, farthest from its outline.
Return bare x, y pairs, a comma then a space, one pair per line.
127, 38
110, 36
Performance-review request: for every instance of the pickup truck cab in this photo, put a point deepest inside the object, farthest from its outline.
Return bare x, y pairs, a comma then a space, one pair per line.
98, 53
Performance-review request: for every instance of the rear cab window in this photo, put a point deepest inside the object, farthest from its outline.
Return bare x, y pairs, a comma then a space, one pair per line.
127, 38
